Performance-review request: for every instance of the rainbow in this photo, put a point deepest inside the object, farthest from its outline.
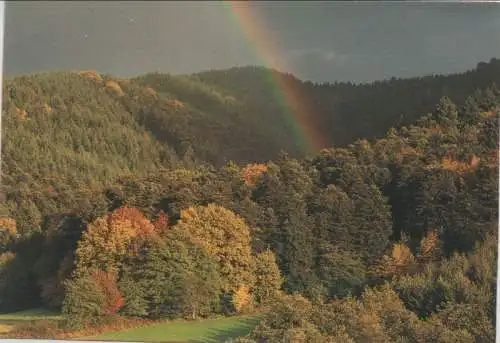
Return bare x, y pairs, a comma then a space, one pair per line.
298, 109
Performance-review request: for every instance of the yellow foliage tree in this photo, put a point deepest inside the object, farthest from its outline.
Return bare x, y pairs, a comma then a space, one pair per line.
115, 87
225, 236
151, 92
242, 299
9, 225
429, 250
8, 231
400, 261
47, 108
268, 277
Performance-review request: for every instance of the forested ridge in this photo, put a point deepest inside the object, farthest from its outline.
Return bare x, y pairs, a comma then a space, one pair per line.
182, 196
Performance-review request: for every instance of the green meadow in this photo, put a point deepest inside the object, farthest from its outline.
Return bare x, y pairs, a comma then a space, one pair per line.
208, 330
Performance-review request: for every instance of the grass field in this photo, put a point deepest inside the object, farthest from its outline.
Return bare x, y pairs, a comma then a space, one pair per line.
29, 315
181, 331
9, 320
210, 330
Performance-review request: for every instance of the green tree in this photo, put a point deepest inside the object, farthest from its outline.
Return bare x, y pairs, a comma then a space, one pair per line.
285, 188
340, 272
83, 301
170, 278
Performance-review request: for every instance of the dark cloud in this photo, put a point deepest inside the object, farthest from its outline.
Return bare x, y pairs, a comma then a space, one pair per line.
322, 41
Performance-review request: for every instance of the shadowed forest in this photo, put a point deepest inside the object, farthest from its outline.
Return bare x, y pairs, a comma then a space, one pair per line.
130, 201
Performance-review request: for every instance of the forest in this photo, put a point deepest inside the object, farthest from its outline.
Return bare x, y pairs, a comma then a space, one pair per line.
189, 197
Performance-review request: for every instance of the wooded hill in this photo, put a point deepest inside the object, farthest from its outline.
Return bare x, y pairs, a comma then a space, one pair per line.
118, 201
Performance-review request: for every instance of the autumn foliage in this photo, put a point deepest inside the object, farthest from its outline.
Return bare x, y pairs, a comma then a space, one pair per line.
176, 104
106, 281
108, 240
161, 223
5, 258
114, 86
8, 232
202, 235
458, 166
430, 249
242, 299
401, 260
94, 75
252, 172
151, 92
22, 113
47, 108
224, 235
9, 225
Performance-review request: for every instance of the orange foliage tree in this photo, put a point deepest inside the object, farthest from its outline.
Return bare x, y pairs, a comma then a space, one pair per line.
458, 166
108, 240
252, 172
161, 223
114, 86
108, 285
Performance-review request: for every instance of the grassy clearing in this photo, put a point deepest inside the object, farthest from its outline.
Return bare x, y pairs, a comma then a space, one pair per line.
30, 315
209, 330
8, 321
180, 331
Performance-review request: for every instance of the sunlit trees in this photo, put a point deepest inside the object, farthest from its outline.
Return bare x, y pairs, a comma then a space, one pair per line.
268, 279
8, 233
223, 235
107, 241
293, 236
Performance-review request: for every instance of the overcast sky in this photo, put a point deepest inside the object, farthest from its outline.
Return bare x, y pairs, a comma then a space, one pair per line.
322, 41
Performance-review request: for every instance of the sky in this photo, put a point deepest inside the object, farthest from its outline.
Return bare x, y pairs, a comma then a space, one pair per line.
318, 41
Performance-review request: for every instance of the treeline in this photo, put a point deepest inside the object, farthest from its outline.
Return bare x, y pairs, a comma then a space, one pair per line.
313, 239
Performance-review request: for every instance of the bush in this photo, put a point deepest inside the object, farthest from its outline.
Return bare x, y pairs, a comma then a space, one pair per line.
41, 329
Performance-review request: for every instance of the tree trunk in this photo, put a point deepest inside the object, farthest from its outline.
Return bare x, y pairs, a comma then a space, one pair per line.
194, 312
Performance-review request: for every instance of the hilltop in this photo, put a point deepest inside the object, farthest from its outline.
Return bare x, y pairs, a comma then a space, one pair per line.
346, 112
238, 114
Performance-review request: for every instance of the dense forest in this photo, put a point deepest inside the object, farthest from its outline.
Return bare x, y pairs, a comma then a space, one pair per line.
187, 196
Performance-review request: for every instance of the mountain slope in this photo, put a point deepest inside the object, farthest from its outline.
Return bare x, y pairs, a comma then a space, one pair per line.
346, 111
84, 128
348, 218
73, 125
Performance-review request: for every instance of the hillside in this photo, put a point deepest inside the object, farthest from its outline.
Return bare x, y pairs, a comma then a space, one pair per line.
344, 112
82, 130
111, 217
